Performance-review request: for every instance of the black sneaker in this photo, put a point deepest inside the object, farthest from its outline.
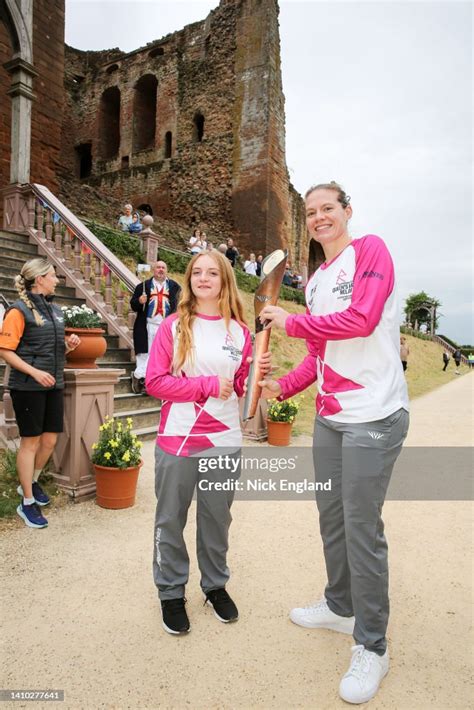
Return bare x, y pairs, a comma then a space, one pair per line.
32, 515
136, 385
175, 619
224, 608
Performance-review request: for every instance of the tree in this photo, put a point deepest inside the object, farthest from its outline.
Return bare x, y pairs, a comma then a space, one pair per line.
421, 309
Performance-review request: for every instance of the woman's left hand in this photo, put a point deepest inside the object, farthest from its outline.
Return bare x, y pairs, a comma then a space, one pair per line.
275, 316
72, 342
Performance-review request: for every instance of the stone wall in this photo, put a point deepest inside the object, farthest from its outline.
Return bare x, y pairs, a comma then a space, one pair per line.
48, 60
192, 125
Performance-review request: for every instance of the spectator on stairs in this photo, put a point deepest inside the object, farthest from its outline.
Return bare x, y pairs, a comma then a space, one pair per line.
136, 226
126, 219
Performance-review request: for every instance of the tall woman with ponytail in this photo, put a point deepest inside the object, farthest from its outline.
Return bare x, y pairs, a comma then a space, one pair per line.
352, 333
32, 342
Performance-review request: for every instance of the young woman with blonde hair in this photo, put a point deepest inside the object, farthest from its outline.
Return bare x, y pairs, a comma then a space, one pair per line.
32, 342
197, 366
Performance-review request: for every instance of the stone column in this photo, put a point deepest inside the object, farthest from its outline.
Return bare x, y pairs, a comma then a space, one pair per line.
88, 398
150, 240
22, 95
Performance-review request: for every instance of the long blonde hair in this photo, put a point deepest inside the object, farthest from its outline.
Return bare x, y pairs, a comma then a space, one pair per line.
230, 306
26, 280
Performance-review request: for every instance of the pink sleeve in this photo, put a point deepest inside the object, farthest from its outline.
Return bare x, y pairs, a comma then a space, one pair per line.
243, 370
162, 385
302, 376
373, 284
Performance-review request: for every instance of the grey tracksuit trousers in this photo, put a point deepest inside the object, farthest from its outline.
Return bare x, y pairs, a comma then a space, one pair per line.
359, 459
176, 479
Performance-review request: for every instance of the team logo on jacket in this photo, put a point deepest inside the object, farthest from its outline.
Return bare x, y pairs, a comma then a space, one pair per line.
229, 345
343, 287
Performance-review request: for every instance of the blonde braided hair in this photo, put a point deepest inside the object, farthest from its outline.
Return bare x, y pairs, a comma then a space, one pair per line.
25, 280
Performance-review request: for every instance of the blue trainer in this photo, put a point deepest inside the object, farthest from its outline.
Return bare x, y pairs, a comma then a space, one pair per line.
39, 495
32, 515
41, 498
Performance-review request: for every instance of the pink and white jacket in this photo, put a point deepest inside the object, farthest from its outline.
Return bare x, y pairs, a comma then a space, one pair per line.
353, 337
193, 418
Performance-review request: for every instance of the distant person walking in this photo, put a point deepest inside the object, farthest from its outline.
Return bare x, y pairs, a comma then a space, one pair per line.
457, 355
446, 359
404, 352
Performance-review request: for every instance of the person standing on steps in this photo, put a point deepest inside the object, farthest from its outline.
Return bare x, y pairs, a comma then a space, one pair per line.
352, 334
198, 365
33, 343
152, 301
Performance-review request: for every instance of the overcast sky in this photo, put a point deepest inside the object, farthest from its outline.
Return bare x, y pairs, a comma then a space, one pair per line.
378, 97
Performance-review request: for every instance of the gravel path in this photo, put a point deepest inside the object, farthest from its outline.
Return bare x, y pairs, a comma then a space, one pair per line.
80, 612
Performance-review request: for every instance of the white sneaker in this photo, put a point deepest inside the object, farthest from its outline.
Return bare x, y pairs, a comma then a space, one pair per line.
320, 616
364, 676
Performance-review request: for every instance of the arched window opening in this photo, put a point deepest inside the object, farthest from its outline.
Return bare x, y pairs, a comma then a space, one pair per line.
144, 113
109, 123
156, 52
112, 69
198, 131
145, 208
83, 160
168, 144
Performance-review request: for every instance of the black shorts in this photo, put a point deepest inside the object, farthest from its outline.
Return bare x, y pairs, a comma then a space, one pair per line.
38, 412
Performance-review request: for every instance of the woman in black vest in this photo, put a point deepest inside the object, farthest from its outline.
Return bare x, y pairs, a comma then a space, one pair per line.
32, 342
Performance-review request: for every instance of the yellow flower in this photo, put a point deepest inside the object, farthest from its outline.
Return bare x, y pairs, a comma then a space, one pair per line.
126, 456
119, 426
107, 455
94, 446
113, 443
129, 421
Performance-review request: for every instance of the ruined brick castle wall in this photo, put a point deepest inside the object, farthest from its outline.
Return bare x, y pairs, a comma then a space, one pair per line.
191, 125
48, 87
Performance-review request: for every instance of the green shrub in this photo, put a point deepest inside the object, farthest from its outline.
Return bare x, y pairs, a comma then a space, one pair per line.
120, 243
176, 261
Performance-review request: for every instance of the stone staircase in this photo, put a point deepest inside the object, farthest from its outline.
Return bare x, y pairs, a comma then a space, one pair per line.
15, 249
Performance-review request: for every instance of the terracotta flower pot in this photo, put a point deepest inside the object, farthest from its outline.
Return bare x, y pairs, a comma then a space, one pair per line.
116, 487
279, 433
93, 346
